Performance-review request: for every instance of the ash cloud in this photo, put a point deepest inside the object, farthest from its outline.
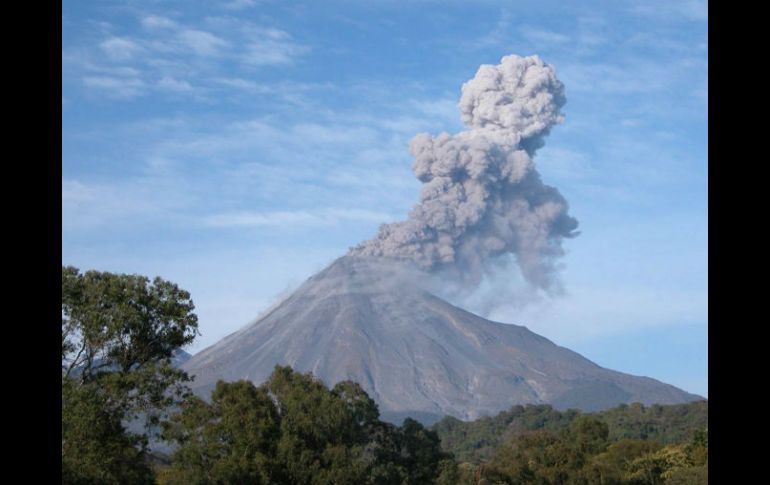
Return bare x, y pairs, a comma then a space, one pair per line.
482, 197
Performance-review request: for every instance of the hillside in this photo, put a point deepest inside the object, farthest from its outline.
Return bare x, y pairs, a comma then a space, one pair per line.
476, 441
367, 320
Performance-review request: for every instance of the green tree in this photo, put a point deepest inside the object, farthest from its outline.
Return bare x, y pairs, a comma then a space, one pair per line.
322, 431
550, 457
421, 452
589, 435
119, 333
230, 441
542, 457
611, 466
95, 447
293, 429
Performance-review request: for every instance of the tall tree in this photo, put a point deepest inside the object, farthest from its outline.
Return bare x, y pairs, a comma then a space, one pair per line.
119, 333
230, 441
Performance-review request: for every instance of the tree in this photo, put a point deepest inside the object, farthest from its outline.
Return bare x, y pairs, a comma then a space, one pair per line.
230, 441
95, 447
589, 435
421, 452
550, 457
118, 335
293, 429
612, 465
322, 431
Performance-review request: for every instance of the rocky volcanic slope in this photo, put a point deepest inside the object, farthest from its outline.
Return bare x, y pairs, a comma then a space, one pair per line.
413, 352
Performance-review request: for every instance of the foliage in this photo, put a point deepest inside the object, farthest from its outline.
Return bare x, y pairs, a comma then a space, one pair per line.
545, 456
582, 454
118, 335
664, 424
95, 448
476, 441
292, 429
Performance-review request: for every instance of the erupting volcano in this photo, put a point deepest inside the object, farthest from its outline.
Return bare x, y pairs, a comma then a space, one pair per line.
371, 317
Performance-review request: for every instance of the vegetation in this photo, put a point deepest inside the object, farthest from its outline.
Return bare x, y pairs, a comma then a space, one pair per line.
582, 454
542, 446
476, 441
119, 333
292, 429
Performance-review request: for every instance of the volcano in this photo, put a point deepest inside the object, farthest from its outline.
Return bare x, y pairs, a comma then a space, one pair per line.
370, 321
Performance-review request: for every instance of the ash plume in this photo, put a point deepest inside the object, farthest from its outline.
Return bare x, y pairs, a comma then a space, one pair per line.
482, 196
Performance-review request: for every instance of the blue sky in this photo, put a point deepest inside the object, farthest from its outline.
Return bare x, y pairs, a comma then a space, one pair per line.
237, 147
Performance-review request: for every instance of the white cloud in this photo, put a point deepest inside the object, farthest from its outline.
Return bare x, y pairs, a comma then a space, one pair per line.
692, 10
92, 205
201, 43
155, 22
171, 51
543, 37
170, 84
120, 49
241, 84
122, 88
239, 4
275, 47
301, 218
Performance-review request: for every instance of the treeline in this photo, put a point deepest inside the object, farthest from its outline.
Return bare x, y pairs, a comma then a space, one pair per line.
119, 333
294, 430
476, 441
583, 453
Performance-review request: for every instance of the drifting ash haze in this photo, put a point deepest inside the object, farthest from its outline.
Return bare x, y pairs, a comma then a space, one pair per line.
372, 317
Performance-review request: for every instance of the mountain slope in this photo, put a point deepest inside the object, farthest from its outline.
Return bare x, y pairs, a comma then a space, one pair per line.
413, 352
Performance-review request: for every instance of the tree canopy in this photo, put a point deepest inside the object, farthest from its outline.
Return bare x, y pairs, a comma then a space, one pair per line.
119, 333
293, 429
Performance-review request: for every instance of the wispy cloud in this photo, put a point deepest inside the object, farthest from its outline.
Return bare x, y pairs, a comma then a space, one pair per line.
89, 204
340, 167
315, 217
167, 55
116, 87
542, 36
692, 10
239, 4
201, 43
156, 22
119, 49
272, 51
168, 83
241, 84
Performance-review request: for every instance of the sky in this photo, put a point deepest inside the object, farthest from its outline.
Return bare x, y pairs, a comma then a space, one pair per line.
237, 147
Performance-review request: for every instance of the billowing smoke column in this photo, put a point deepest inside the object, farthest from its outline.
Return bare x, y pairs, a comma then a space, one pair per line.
482, 197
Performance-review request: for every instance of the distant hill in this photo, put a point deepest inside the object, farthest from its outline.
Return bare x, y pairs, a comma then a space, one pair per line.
178, 358
367, 320
476, 441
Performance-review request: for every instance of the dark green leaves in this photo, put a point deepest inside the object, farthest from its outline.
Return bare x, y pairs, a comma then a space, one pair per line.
294, 430
118, 335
